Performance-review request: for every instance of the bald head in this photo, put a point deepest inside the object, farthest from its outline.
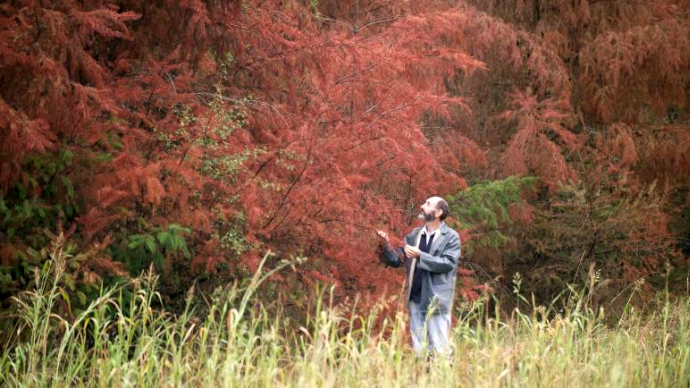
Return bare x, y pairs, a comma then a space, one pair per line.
441, 204
434, 208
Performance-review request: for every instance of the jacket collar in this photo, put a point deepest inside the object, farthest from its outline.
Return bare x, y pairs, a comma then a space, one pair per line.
443, 228
416, 232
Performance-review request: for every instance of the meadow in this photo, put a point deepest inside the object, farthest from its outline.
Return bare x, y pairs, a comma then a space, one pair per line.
133, 342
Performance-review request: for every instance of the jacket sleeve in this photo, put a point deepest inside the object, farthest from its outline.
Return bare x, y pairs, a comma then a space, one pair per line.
446, 261
391, 257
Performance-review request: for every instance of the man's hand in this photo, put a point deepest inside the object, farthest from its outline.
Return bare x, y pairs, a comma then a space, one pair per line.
412, 252
383, 237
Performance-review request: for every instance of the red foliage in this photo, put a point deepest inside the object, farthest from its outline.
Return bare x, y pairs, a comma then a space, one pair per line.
342, 106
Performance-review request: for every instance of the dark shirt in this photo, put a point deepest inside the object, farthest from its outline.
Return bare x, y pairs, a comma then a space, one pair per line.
424, 246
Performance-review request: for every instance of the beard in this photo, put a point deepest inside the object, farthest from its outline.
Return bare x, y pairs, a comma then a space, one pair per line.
427, 217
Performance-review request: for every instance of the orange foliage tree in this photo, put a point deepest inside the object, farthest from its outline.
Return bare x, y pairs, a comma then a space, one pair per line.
240, 127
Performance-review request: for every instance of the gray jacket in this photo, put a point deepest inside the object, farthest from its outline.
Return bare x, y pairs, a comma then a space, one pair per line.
439, 265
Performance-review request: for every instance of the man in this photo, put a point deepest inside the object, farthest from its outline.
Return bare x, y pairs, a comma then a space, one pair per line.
431, 256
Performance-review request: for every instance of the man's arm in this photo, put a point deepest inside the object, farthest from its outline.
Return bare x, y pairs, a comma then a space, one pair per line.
390, 256
446, 261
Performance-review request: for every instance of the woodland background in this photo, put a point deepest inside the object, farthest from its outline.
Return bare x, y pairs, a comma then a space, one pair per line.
195, 136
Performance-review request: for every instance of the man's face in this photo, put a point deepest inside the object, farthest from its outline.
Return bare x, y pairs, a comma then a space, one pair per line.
429, 210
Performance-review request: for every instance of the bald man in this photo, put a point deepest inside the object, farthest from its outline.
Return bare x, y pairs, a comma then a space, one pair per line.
430, 254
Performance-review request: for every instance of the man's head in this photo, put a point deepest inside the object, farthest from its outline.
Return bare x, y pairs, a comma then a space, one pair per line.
434, 208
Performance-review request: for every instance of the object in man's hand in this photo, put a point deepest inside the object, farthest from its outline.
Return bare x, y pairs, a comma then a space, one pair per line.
383, 237
411, 251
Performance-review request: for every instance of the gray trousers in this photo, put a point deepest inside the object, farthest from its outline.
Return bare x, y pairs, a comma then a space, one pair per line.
429, 332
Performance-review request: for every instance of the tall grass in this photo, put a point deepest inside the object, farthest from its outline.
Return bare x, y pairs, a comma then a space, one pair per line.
130, 343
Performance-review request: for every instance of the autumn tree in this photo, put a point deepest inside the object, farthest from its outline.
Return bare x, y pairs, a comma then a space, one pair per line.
200, 134
629, 97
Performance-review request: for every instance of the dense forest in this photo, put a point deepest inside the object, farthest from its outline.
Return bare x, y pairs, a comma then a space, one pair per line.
195, 136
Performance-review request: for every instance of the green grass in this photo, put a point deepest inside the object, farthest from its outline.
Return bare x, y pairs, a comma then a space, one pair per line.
119, 343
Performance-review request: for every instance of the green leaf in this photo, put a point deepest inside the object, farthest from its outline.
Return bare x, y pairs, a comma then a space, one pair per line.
150, 244
175, 243
68, 185
185, 251
65, 297
68, 210
158, 261
69, 281
104, 156
162, 238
